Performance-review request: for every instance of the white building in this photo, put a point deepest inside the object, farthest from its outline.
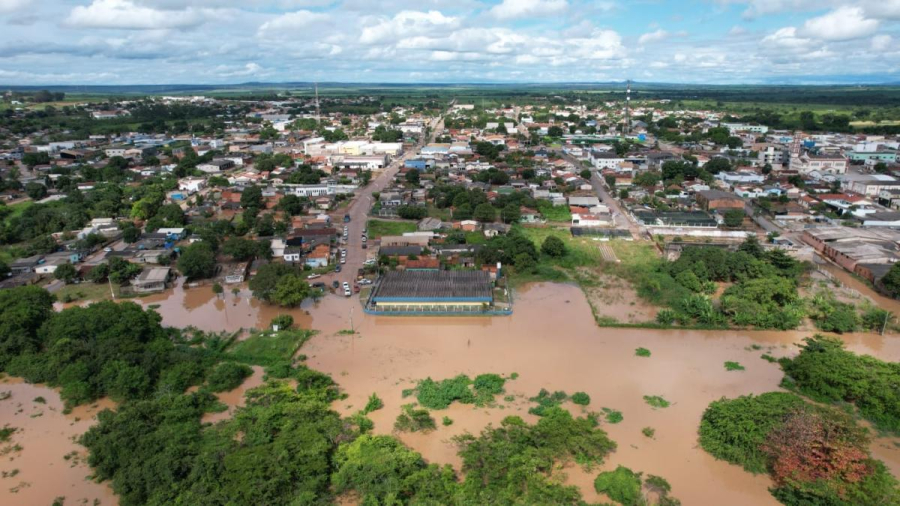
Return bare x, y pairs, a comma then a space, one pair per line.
823, 164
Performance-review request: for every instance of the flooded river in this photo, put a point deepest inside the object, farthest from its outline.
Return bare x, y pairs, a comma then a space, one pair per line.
551, 341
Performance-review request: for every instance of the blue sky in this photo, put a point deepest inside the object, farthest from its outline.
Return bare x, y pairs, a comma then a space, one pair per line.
234, 41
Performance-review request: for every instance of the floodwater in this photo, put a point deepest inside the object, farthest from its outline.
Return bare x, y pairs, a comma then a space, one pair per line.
849, 281
46, 437
235, 398
551, 341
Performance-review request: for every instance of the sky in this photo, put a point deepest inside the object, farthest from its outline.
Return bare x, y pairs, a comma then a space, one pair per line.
97, 42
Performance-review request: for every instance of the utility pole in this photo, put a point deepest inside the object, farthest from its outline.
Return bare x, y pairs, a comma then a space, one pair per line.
628, 107
887, 315
318, 114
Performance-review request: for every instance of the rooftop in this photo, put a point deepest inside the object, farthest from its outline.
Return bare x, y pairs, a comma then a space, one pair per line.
434, 285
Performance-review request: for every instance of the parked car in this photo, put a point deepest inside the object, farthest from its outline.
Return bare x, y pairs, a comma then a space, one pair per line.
320, 285
335, 284
356, 288
346, 218
337, 268
314, 276
347, 291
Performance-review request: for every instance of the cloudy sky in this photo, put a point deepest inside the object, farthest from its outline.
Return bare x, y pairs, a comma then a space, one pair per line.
234, 41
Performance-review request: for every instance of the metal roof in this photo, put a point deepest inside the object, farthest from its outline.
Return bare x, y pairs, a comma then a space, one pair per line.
434, 285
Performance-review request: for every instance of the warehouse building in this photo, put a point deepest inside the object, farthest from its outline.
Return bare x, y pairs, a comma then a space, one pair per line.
432, 291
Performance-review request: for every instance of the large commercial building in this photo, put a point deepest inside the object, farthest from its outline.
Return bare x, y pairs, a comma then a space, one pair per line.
432, 291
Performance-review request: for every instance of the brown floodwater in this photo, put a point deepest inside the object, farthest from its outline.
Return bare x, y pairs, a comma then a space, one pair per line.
551, 341
850, 281
46, 437
235, 398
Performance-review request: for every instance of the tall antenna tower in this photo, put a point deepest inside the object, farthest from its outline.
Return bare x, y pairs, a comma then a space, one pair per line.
628, 107
318, 121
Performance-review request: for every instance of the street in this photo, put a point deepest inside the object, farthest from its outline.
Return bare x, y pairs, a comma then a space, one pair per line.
359, 212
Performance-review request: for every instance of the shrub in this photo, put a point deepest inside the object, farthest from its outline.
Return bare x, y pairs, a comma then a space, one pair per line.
622, 485
815, 455
613, 416
414, 420
446, 421
642, 352
827, 372
553, 246
666, 317
733, 366
656, 401
227, 376
546, 400
283, 321
649, 432
581, 398
374, 404
440, 394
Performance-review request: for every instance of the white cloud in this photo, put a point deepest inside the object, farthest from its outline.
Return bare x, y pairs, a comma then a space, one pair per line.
786, 38
408, 24
291, 24
651, 37
126, 15
513, 9
7, 6
881, 42
843, 23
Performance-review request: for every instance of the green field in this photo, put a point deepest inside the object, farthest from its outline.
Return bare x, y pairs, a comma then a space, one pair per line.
269, 348
379, 228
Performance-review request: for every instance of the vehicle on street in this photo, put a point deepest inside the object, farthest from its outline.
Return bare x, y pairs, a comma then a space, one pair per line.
314, 276
347, 291
337, 268
346, 218
335, 284
356, 288
320, 285
107, 249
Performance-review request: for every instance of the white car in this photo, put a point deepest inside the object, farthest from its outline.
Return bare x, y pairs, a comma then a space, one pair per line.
343, 260
314, 276
347, 291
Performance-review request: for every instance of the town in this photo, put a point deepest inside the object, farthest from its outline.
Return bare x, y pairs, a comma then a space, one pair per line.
395, 234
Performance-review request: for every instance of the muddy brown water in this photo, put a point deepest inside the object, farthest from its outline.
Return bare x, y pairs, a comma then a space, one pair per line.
46, 437
552, 342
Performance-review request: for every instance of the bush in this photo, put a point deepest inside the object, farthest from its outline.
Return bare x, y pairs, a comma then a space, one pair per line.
815, 455
414, 420
283, 321
554, 247
642, 352
446, 421
622, 485
581, 398
546, 401
612, 416
440, 394
649, 432
733, 366
227, 376
374, 404
827, 372
656, 401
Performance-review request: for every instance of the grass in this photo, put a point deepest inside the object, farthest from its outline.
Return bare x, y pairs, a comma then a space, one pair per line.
379, 228
642, 352
269, 348
768, 358
733, 366
657, 401
554, 213
87, 291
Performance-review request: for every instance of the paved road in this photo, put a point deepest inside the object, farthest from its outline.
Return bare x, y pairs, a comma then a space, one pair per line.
359, 213
621, 218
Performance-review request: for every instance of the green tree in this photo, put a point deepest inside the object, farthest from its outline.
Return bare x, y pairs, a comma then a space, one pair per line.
553, 246
197, 261
510, 213
240, 249
35, 191
412, 177
66, 273
290, 291
891, 280
485, 213
734, 218
263, 284
251, 197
